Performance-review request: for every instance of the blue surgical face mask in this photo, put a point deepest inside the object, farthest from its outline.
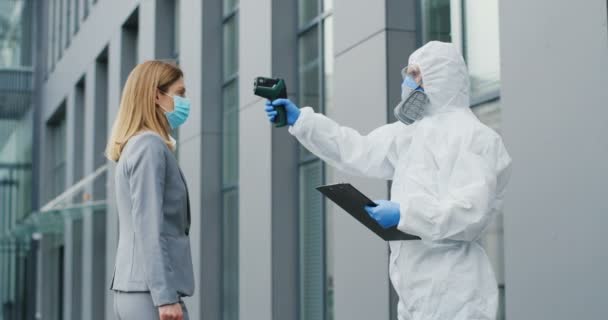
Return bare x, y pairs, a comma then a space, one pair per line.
181, 110
412, 84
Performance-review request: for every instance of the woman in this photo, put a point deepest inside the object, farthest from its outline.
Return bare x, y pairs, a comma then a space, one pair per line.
153, 269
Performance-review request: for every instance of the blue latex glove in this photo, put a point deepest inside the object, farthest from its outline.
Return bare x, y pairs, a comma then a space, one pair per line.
293, 112
386, 213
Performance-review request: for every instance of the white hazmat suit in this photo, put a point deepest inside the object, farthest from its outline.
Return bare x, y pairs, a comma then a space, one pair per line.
449, 174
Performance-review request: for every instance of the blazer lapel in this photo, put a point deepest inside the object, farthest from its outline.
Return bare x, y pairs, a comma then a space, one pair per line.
187, 199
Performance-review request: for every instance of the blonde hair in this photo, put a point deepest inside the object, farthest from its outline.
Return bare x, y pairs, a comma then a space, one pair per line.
138, 110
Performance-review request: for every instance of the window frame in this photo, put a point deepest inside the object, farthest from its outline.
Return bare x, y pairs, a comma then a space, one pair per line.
308, 159
231, 79
230, 189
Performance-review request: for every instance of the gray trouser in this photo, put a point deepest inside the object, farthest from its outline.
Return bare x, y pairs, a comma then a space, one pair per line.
138, 305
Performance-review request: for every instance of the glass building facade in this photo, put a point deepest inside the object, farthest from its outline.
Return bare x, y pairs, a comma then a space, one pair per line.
16, 134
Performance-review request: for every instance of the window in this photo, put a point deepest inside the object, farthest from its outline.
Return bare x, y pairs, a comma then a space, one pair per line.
52, 34
481, 48
175, 44
61, 276
167, 38
473, 26
60, 26
57, 130
78, 128
129, 47
76, 16
87, 6
68, 29
230, 161
14, 36
167, 30
436, 20
315, 69
16, 134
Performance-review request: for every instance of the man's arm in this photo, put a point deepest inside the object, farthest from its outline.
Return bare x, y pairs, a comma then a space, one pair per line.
344, 148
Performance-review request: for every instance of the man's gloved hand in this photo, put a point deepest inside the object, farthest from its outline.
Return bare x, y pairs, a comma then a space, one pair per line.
386, 213
293, 112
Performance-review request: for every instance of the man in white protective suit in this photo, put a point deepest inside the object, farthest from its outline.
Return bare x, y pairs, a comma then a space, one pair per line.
449, 173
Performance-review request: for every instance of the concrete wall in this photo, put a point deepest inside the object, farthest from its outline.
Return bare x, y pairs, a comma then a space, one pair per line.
360, 260
554, 75
255, 170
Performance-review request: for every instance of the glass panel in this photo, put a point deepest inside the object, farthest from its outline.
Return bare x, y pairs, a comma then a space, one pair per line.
12, 20
309, 74
476, 32
436, 20
315, 90
230, 256
58, 152
176, 28
16, 132
501, 303
230, 135
59, 289
229, 6
56, 33
307, 11
309, 68
50, 35
328, 61
60, 18
481, 47
68, 30
16, 155
76, 15
230, 165
230, 58
312, 282
87, 5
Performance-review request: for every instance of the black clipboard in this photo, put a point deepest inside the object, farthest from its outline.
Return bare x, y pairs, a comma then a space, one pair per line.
353, 201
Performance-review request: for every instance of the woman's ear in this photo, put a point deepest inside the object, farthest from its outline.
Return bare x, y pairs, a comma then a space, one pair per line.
158, 96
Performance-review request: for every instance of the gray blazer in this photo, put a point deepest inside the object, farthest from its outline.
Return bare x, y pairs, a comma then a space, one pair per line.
154, 221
